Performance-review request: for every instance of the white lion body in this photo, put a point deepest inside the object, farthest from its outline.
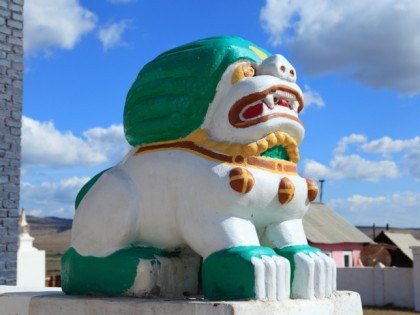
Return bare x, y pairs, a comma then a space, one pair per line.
175, 198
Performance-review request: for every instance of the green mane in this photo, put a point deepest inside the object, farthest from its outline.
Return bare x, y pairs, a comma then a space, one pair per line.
171, 95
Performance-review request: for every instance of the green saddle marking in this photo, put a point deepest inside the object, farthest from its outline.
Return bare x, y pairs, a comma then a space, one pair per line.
289, 253
110, 275
229, 274
84, 190
276, 152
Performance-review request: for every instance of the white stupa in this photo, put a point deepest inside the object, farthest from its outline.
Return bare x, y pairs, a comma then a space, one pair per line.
30, 260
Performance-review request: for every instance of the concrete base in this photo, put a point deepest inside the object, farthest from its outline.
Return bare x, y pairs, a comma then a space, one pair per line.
23, 301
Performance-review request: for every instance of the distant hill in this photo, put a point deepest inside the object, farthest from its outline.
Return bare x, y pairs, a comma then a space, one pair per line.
48, 225
52, 235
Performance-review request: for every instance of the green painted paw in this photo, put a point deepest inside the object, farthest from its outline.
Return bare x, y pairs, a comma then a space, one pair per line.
115, 274
246, 272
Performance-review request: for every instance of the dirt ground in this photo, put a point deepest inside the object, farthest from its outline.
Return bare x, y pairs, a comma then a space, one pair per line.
387, 311
55, 244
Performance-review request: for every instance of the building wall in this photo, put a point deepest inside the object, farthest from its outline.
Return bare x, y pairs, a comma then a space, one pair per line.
339, 250
11, 69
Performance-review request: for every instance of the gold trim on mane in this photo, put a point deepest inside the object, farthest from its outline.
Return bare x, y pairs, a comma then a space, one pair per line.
234, 153
201, 138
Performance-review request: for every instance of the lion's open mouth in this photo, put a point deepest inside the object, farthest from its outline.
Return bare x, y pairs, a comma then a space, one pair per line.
277, 101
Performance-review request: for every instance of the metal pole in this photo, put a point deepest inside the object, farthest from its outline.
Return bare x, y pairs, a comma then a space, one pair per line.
321, 181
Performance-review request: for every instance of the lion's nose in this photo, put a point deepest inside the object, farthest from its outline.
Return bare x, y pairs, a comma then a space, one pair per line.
278, 66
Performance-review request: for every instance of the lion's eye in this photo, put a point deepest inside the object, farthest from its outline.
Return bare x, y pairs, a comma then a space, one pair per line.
249, 70
243, 70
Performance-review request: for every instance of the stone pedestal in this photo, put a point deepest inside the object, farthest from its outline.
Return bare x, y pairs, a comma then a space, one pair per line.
23, 301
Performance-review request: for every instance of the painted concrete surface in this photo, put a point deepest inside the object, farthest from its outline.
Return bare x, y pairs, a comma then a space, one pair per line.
379, 285
30, 263
14, 300
416, 276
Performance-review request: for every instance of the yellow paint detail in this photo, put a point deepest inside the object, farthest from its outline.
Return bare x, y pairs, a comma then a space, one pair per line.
199, 135
245, 164
259, 53
238, 74
280, 136
236, 149
245, 178
202, 138
262, 145
245, 184
236, 177
251, 149
271, 140
242, 70
222, 146
286, 190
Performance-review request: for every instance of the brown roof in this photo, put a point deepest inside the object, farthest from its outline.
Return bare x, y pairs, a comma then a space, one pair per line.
324, 225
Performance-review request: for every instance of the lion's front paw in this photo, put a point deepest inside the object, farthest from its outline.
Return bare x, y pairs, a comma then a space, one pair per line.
246, 272
272, 276
313, 274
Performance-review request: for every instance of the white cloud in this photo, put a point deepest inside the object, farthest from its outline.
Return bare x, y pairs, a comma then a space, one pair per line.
386, 145
51, 198
276, 17
111, 35
58, 23
358, 202
412, 161
44, 145
356, 167
64, 190
315, 170
345, 141
35, 213
109, 140
312, 98
351, 167
344, 165
398, 209
374, 42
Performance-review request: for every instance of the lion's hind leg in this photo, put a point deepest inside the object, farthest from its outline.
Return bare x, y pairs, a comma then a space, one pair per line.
134, 271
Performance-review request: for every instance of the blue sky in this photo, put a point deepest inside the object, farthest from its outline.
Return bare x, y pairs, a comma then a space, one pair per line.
357, 63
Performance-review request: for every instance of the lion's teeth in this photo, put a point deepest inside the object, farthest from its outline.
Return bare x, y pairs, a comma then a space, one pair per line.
295, 105
284, 94
269, 101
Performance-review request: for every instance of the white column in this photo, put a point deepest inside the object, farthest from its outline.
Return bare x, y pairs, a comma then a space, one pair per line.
30, 263
416, 276
378, 281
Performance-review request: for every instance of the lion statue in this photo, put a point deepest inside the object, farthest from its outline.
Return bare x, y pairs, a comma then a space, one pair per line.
208, 199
